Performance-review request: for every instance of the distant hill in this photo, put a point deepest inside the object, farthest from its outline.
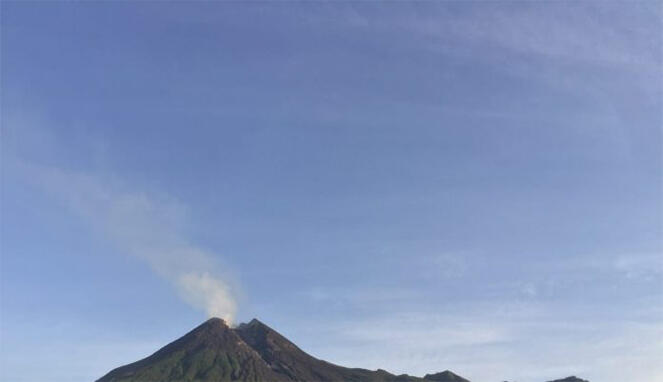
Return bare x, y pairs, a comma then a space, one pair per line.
445, 376
253, 352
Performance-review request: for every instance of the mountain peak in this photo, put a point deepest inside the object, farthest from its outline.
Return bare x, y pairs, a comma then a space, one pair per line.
253, 322
212, 325
251, 352
216, 321
445, 376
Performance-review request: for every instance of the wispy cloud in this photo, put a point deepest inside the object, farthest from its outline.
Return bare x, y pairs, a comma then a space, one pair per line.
492, 341
565, 44
582, 31
646, 267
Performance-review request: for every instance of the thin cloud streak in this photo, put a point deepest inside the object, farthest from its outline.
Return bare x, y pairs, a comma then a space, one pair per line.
494, 342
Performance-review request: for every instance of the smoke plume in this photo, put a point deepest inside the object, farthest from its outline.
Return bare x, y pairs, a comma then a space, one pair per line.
150, 227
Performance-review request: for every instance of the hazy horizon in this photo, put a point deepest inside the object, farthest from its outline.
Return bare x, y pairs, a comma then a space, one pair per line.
472, 186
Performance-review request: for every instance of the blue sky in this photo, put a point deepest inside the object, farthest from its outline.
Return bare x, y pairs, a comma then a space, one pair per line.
411, 186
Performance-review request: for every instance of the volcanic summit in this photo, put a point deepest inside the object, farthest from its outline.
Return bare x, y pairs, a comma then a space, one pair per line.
251, 352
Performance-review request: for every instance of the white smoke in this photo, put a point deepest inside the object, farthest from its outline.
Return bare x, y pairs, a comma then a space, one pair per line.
204, 291
150, 227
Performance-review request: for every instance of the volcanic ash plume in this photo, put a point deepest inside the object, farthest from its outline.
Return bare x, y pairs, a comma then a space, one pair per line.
150, 228
203, 291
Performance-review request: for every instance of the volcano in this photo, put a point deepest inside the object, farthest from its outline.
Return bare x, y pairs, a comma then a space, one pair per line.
253, 352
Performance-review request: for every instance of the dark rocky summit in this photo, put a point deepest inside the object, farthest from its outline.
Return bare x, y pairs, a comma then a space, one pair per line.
253, 352
445, 376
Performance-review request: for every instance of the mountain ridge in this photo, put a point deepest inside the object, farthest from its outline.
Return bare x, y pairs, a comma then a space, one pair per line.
250, 352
